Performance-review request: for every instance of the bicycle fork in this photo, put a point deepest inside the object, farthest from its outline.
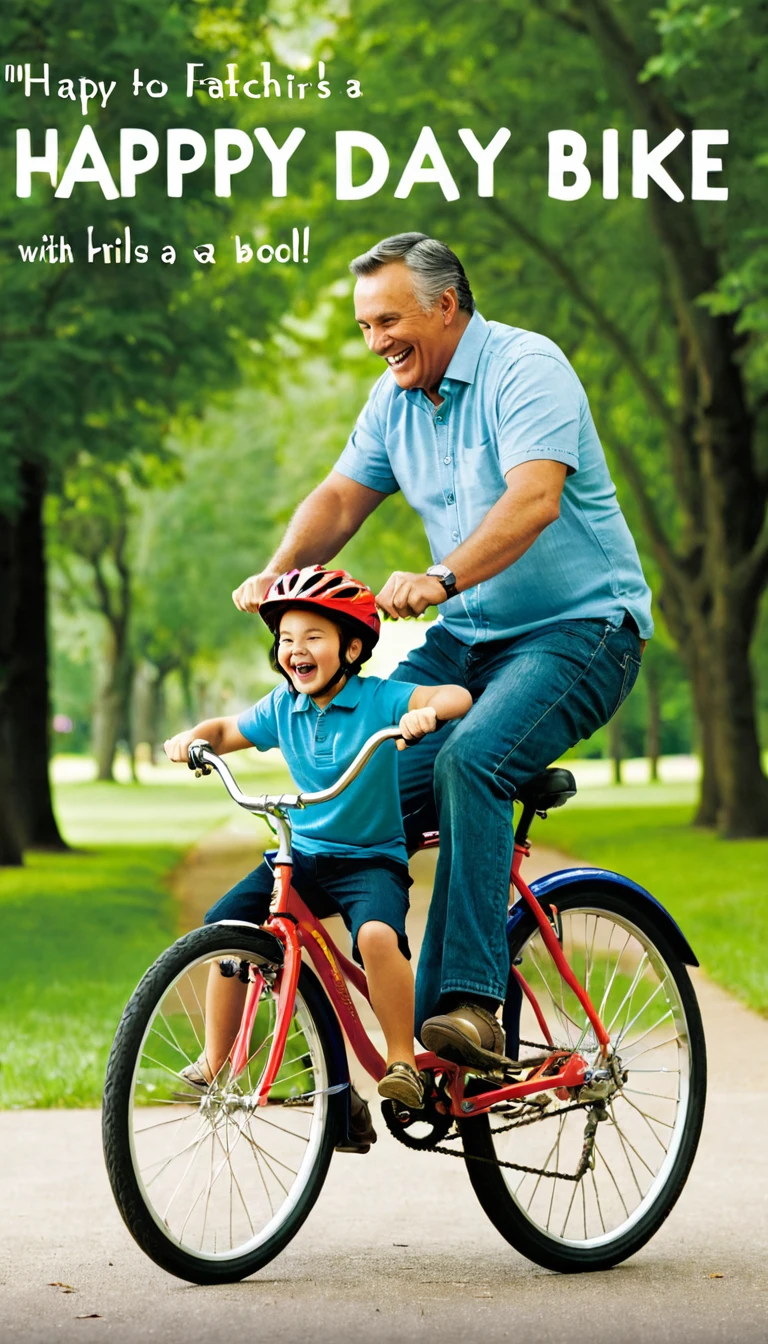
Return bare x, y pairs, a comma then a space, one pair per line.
287, 983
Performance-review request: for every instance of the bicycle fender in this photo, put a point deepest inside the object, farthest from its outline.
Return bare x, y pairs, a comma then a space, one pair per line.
546, 889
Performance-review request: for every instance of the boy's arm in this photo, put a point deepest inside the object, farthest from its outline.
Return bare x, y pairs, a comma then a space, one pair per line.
427, 706
448, 702
223, 735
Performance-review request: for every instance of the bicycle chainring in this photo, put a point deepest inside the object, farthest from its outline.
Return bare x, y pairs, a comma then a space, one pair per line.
422, 1129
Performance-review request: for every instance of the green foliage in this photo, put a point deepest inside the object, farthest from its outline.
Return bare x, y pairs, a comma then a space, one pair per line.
713, 889
95, 921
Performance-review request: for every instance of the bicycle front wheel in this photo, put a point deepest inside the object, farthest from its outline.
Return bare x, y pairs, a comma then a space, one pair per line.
211, 1185
649, 1120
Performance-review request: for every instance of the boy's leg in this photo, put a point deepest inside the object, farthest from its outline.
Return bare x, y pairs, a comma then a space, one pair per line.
225, 995
390, 985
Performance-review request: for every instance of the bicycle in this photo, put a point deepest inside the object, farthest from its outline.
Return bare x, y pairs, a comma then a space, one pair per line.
577, 1155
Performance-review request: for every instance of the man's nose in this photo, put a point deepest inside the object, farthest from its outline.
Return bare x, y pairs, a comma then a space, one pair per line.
380, 342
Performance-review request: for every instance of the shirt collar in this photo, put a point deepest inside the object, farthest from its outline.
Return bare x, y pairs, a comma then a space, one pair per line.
347, 698
466, 356
463, 365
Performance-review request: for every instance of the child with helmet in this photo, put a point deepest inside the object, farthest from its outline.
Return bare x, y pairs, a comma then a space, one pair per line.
349, 854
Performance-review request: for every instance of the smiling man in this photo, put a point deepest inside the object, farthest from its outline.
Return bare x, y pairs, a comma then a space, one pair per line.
543, 608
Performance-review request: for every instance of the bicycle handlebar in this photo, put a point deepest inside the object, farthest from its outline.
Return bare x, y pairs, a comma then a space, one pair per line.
202, 757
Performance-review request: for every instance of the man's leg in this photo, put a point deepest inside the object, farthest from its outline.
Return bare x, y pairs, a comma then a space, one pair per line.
440, 660
539, 695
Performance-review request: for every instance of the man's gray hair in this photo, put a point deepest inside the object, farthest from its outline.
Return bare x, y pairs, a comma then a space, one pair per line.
435, 267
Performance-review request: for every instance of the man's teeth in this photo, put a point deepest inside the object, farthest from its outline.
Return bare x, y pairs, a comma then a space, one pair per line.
394, 360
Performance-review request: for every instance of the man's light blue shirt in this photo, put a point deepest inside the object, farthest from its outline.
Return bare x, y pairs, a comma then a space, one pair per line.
510, 396
319, 744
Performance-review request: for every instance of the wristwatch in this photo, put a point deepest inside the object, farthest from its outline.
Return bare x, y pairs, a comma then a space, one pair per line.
446, 577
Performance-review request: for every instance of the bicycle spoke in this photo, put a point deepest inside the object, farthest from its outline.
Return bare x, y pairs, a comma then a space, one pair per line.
224, 1181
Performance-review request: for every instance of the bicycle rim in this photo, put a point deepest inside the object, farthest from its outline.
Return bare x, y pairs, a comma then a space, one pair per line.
220, 1175
645, 1143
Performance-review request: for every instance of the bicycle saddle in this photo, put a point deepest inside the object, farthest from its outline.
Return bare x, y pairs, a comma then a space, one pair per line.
552, 788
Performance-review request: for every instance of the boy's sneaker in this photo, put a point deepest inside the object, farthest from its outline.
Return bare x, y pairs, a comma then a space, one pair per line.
361, 1132
467, 1035
402, 1083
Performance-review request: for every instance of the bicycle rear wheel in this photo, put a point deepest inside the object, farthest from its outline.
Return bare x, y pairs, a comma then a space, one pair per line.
210, 1185
653, 1114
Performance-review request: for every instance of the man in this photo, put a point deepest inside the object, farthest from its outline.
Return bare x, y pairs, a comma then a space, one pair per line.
543, 608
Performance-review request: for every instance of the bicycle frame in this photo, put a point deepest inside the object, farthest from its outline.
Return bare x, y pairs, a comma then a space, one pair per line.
297, 928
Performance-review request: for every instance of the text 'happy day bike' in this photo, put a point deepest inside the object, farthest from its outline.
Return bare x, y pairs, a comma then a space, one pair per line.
577, 1155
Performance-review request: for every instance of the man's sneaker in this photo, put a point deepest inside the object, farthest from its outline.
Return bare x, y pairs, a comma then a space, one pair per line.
361, 1132
467, 1035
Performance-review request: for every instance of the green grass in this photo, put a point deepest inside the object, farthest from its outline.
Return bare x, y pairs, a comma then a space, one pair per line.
79, 929
715, 889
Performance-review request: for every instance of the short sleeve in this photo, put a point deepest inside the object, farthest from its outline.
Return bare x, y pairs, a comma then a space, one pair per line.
394, 698
259, 723
539, 407
365, 458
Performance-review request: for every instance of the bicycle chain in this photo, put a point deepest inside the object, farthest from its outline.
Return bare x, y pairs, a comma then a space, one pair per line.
518, 1166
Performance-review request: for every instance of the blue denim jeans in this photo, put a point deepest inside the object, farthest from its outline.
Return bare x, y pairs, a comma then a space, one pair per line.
535, 696
359, 890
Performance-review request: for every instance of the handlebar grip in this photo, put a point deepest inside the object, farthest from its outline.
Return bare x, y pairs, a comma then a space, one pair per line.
194, 761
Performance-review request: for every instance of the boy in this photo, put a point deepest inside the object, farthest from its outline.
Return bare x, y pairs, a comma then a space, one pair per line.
350, 851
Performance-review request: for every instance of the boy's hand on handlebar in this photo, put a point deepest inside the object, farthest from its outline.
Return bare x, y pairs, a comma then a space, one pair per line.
251, 593
177, 748
416, 724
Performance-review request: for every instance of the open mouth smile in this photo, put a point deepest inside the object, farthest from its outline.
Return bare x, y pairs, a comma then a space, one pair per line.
395, 361
303, 670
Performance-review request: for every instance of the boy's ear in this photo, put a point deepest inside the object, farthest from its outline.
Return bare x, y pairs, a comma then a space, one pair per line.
354, 649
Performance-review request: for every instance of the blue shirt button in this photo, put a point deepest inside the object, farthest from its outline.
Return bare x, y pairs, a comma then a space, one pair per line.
449, 498
447, 461
455, 536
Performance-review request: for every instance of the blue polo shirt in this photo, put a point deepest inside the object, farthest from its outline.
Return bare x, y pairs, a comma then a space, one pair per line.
510, 396
319, 744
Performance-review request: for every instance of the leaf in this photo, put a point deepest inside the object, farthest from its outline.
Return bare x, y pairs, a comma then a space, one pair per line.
63, 1287
717, 1276
90, 1316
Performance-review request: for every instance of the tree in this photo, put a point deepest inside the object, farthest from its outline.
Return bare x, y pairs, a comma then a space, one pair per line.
99, 359
664, 298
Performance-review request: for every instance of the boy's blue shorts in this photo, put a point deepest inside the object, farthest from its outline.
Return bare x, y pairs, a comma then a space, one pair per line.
358, 889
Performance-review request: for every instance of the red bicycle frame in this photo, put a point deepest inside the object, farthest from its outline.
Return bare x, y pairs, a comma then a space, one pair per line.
297, 928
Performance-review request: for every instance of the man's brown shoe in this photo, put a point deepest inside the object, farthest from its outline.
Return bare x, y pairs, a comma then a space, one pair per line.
467, 1035
361, 1132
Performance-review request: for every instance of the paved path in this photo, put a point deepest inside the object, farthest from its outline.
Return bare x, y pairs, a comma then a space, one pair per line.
397, 1246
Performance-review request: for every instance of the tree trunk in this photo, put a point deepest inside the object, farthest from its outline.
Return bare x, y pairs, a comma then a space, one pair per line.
10, 835
28, 692
112, 707
615, 747
743, 809
700, 673
653, 726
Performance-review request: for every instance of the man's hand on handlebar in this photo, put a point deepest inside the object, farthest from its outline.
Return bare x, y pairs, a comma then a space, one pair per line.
250, 595
416, 724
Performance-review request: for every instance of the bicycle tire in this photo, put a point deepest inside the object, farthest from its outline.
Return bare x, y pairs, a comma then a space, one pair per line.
188, 955
523, 1230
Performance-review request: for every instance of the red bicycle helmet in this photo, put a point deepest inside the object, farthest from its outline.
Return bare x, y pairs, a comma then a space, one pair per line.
331, 590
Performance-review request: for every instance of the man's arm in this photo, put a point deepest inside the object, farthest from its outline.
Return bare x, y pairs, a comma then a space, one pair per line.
321, 525
529, 504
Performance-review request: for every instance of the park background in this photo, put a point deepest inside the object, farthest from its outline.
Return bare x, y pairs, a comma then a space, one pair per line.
159, 424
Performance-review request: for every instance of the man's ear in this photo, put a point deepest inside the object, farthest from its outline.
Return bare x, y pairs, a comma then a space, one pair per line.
449, 306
